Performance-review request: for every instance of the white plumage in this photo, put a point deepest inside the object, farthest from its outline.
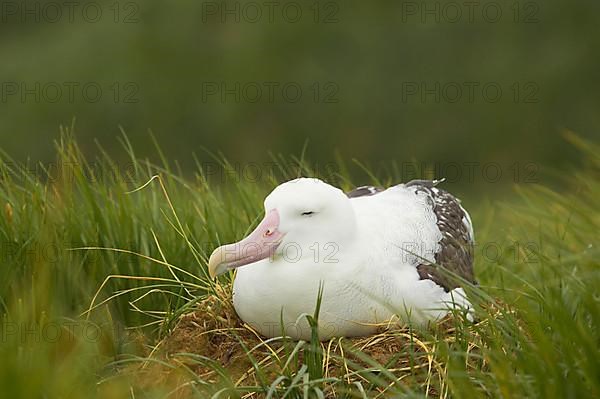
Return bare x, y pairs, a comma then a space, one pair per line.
366, 251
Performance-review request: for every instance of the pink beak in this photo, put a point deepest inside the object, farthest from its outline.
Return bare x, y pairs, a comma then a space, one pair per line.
259, 244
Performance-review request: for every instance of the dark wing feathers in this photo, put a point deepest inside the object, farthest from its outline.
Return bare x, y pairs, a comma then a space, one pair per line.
364, 191
456, 246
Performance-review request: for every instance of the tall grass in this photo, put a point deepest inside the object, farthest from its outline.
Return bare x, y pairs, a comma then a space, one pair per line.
100, 259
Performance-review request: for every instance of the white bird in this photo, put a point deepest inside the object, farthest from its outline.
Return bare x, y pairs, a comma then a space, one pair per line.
377, 254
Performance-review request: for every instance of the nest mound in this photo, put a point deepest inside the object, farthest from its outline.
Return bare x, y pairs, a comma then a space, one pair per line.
214, 345
212, 336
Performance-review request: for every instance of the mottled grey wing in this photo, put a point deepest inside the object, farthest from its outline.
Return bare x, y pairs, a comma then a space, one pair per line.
364, 191
456, 246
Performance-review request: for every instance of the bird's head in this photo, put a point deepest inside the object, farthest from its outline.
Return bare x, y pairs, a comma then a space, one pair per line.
304, 217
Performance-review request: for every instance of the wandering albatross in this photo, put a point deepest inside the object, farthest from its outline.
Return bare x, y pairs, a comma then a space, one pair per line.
377, 254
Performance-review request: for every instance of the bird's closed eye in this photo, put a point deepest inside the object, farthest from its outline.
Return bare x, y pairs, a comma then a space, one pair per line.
307, 213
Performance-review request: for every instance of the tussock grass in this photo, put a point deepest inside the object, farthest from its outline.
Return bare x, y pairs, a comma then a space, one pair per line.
104, 293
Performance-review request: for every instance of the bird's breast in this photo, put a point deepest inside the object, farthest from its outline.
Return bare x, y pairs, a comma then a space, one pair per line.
267, 294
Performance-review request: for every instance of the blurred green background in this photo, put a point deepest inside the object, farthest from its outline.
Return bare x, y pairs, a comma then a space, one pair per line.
380, 81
